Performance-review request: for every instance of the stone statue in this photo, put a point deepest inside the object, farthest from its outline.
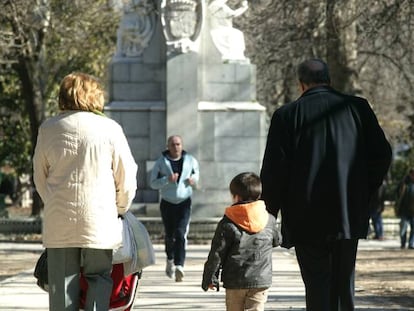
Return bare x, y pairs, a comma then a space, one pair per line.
228, 40
136, 27
182, 22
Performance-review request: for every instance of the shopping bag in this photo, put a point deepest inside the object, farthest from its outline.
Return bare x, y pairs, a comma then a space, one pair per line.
125, 252
144, 254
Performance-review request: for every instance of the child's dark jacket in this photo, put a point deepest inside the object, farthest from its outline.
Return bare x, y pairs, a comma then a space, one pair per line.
242, 247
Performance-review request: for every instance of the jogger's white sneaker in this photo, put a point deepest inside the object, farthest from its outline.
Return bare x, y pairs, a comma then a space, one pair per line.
169, 268
179, 273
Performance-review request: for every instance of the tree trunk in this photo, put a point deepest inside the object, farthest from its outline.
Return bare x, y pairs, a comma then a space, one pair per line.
341, 49
32, 104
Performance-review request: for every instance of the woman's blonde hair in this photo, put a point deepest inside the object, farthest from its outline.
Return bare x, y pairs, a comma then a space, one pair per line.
80, 91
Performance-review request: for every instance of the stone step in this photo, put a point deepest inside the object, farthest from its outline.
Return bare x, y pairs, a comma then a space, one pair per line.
201, 229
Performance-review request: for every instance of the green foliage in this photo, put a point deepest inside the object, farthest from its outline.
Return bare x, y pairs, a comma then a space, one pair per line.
48, 41
81, 37
15, 146
14, 126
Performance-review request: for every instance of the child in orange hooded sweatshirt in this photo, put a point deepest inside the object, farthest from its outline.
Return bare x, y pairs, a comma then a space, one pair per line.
242, 247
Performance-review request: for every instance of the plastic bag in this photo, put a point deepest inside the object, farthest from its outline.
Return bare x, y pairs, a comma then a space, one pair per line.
144, 254
125, 252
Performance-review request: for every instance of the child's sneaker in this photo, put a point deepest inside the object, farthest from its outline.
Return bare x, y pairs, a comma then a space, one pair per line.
169, 268
179, 273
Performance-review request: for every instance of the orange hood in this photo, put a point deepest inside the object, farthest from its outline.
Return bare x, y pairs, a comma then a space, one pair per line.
251, 216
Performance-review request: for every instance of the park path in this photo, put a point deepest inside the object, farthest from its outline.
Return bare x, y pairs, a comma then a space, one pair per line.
157, 292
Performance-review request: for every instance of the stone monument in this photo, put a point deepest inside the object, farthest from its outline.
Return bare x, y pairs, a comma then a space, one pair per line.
180, 68
228, 40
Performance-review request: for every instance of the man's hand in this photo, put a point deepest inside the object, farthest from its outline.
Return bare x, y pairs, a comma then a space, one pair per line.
191, 181
173, 177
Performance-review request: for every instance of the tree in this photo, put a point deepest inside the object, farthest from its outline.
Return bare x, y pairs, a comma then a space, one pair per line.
386, 33
367, 44
40, 42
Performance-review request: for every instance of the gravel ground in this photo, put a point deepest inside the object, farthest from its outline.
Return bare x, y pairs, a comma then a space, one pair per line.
388, 274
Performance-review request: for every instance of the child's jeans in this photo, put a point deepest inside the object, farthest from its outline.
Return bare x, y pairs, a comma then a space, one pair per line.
249, 299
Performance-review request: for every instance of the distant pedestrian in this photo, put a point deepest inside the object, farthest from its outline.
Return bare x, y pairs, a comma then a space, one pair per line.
325, 157
377, 206
405, 209
242, 248
175, 174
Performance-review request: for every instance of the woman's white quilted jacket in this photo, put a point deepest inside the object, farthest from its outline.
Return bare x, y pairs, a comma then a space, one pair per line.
86, 175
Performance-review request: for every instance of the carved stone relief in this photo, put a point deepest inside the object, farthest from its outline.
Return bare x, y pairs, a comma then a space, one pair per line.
136, 28
182, 21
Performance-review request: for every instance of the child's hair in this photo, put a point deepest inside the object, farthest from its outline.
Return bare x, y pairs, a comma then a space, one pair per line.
247, 186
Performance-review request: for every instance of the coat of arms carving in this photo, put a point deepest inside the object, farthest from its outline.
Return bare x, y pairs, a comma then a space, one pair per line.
182, 21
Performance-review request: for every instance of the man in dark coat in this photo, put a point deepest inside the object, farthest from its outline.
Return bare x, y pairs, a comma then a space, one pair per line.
325, 157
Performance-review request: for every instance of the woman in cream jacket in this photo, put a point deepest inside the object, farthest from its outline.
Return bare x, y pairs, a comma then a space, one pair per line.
86, 176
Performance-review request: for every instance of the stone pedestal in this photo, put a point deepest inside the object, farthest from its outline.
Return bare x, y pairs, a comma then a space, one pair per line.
210, 103
137, 89
182, 94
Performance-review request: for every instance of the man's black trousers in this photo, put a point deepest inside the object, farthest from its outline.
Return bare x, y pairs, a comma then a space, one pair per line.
328, 272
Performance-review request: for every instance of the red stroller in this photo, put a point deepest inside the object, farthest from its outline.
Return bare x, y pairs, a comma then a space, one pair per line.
123, 291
